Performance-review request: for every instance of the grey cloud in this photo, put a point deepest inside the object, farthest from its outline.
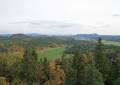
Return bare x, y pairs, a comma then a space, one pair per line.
116, 15
46, 24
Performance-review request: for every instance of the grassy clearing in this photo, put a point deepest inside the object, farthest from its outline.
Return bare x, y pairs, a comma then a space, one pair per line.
52, 53
107, 42
111, 43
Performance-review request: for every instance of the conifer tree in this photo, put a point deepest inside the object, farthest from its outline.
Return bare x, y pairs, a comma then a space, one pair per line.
117, 82
74, 73
70, 76
78, 64
46, 68
29, 66
92, 76
102, 63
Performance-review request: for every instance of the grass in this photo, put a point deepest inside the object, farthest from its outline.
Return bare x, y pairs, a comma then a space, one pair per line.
107, 42
52, 53
55, 53
115, 43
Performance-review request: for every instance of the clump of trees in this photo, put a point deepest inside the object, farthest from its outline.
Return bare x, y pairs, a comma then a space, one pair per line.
27, 71
94, 68
82, 73
91, 68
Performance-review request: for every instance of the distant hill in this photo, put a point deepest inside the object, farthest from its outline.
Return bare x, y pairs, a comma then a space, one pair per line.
96, 36
60, 37
111, 37
35, 40
86, 36
19, 36
36, 35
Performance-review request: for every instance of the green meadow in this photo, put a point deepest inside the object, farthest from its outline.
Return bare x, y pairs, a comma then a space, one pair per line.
115, 43
52, 53
107, 42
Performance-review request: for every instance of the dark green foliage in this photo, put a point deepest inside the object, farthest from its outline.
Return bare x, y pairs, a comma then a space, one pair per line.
29, 65
75, 70
46, 68
32, 71
78, 64
92, 76
3, 69
80, 73
70, 77
64, 63
116, 69
103, 69
117, 82
102, 62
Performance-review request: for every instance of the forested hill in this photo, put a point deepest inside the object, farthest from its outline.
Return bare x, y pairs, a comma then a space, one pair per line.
96, 36
77, 36
36, 40
33, 40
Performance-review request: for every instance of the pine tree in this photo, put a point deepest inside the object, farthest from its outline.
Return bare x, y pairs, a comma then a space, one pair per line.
70, 76
116, 70
64, 62
102, 63
118, 65
74, 73
92, 76
78, 64
117, 82
29, 67
46, 68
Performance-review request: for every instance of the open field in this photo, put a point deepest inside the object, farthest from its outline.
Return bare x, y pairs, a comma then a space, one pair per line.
107, 42
111, 43
52, 53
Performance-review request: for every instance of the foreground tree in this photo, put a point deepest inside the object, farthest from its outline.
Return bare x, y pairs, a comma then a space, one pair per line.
74, 73
102, 63
46, 69
82, 73
92, 76
117, 82
70, 76
79, 65
27, 67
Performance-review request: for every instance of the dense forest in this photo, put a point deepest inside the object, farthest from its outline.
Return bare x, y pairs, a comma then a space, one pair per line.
83, 62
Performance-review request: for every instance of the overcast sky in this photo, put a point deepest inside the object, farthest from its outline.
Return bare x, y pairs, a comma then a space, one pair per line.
60, 16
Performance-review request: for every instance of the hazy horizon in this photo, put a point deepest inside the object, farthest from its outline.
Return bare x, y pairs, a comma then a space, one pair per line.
63, 17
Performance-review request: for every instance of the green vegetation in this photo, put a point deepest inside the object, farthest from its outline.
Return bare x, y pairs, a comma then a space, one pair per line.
52, 53
72, 62
107, 42
116, 43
